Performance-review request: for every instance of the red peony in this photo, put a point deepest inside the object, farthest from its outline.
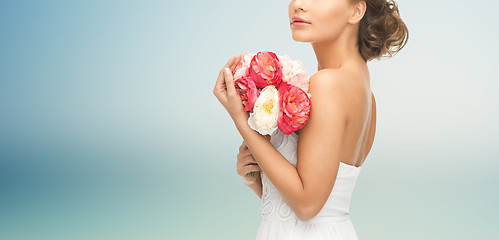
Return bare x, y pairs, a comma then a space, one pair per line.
248, 92
265, 69
294, 106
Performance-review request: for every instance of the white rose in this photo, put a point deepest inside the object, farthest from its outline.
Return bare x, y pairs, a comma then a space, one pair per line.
265, 111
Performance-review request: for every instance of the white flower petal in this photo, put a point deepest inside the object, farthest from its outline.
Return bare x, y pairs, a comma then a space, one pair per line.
265, 111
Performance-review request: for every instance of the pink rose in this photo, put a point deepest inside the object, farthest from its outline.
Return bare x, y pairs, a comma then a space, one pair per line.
294, 106
248, 92
265, 69
242, 68
300, 80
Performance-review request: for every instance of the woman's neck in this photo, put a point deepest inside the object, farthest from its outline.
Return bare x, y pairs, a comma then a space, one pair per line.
334, 53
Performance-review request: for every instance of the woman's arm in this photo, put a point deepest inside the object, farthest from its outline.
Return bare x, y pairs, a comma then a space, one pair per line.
307, 186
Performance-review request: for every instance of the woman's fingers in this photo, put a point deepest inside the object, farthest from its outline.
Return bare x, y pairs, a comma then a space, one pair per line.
243, 154
230, 62
251, 168
243, 147
220, 83
244, 162
234, 64
243, 171
243, 168
245, 159
228, 77
250, 160
229, 81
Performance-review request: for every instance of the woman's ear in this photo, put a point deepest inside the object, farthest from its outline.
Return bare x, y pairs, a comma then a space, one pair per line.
359, 9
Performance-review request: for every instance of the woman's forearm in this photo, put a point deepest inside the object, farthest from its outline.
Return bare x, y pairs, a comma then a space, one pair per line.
283, 174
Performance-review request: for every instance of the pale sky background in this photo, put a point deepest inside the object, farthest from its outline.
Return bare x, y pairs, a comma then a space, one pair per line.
109, 128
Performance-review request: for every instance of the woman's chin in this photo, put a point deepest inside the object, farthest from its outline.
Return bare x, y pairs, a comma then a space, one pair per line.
299, 37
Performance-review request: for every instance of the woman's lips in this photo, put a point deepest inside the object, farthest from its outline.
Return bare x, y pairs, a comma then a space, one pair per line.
298, 19
299, 24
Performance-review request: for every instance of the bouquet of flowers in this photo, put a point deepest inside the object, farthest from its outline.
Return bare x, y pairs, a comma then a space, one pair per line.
274, 89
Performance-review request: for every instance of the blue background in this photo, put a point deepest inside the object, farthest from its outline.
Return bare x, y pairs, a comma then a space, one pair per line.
109, 128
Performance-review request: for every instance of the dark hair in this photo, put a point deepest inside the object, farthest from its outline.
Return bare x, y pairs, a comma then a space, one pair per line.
381, 30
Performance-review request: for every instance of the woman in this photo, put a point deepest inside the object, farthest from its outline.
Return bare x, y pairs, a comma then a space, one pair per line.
307, 178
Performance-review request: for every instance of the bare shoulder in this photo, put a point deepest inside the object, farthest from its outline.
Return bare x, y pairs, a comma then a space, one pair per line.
329, 75
342, 78
333, 84
329, 90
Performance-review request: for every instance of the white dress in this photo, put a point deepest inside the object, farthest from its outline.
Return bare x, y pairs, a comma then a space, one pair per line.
333, 221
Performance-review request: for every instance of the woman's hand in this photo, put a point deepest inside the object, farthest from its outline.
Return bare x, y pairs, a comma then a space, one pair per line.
226, 93
246, 164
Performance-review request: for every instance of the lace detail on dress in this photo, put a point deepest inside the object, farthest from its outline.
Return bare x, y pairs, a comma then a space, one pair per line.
273, 205
284, 211
279, 221
267, 205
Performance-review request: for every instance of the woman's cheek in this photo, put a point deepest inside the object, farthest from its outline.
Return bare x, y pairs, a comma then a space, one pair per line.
331, 20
